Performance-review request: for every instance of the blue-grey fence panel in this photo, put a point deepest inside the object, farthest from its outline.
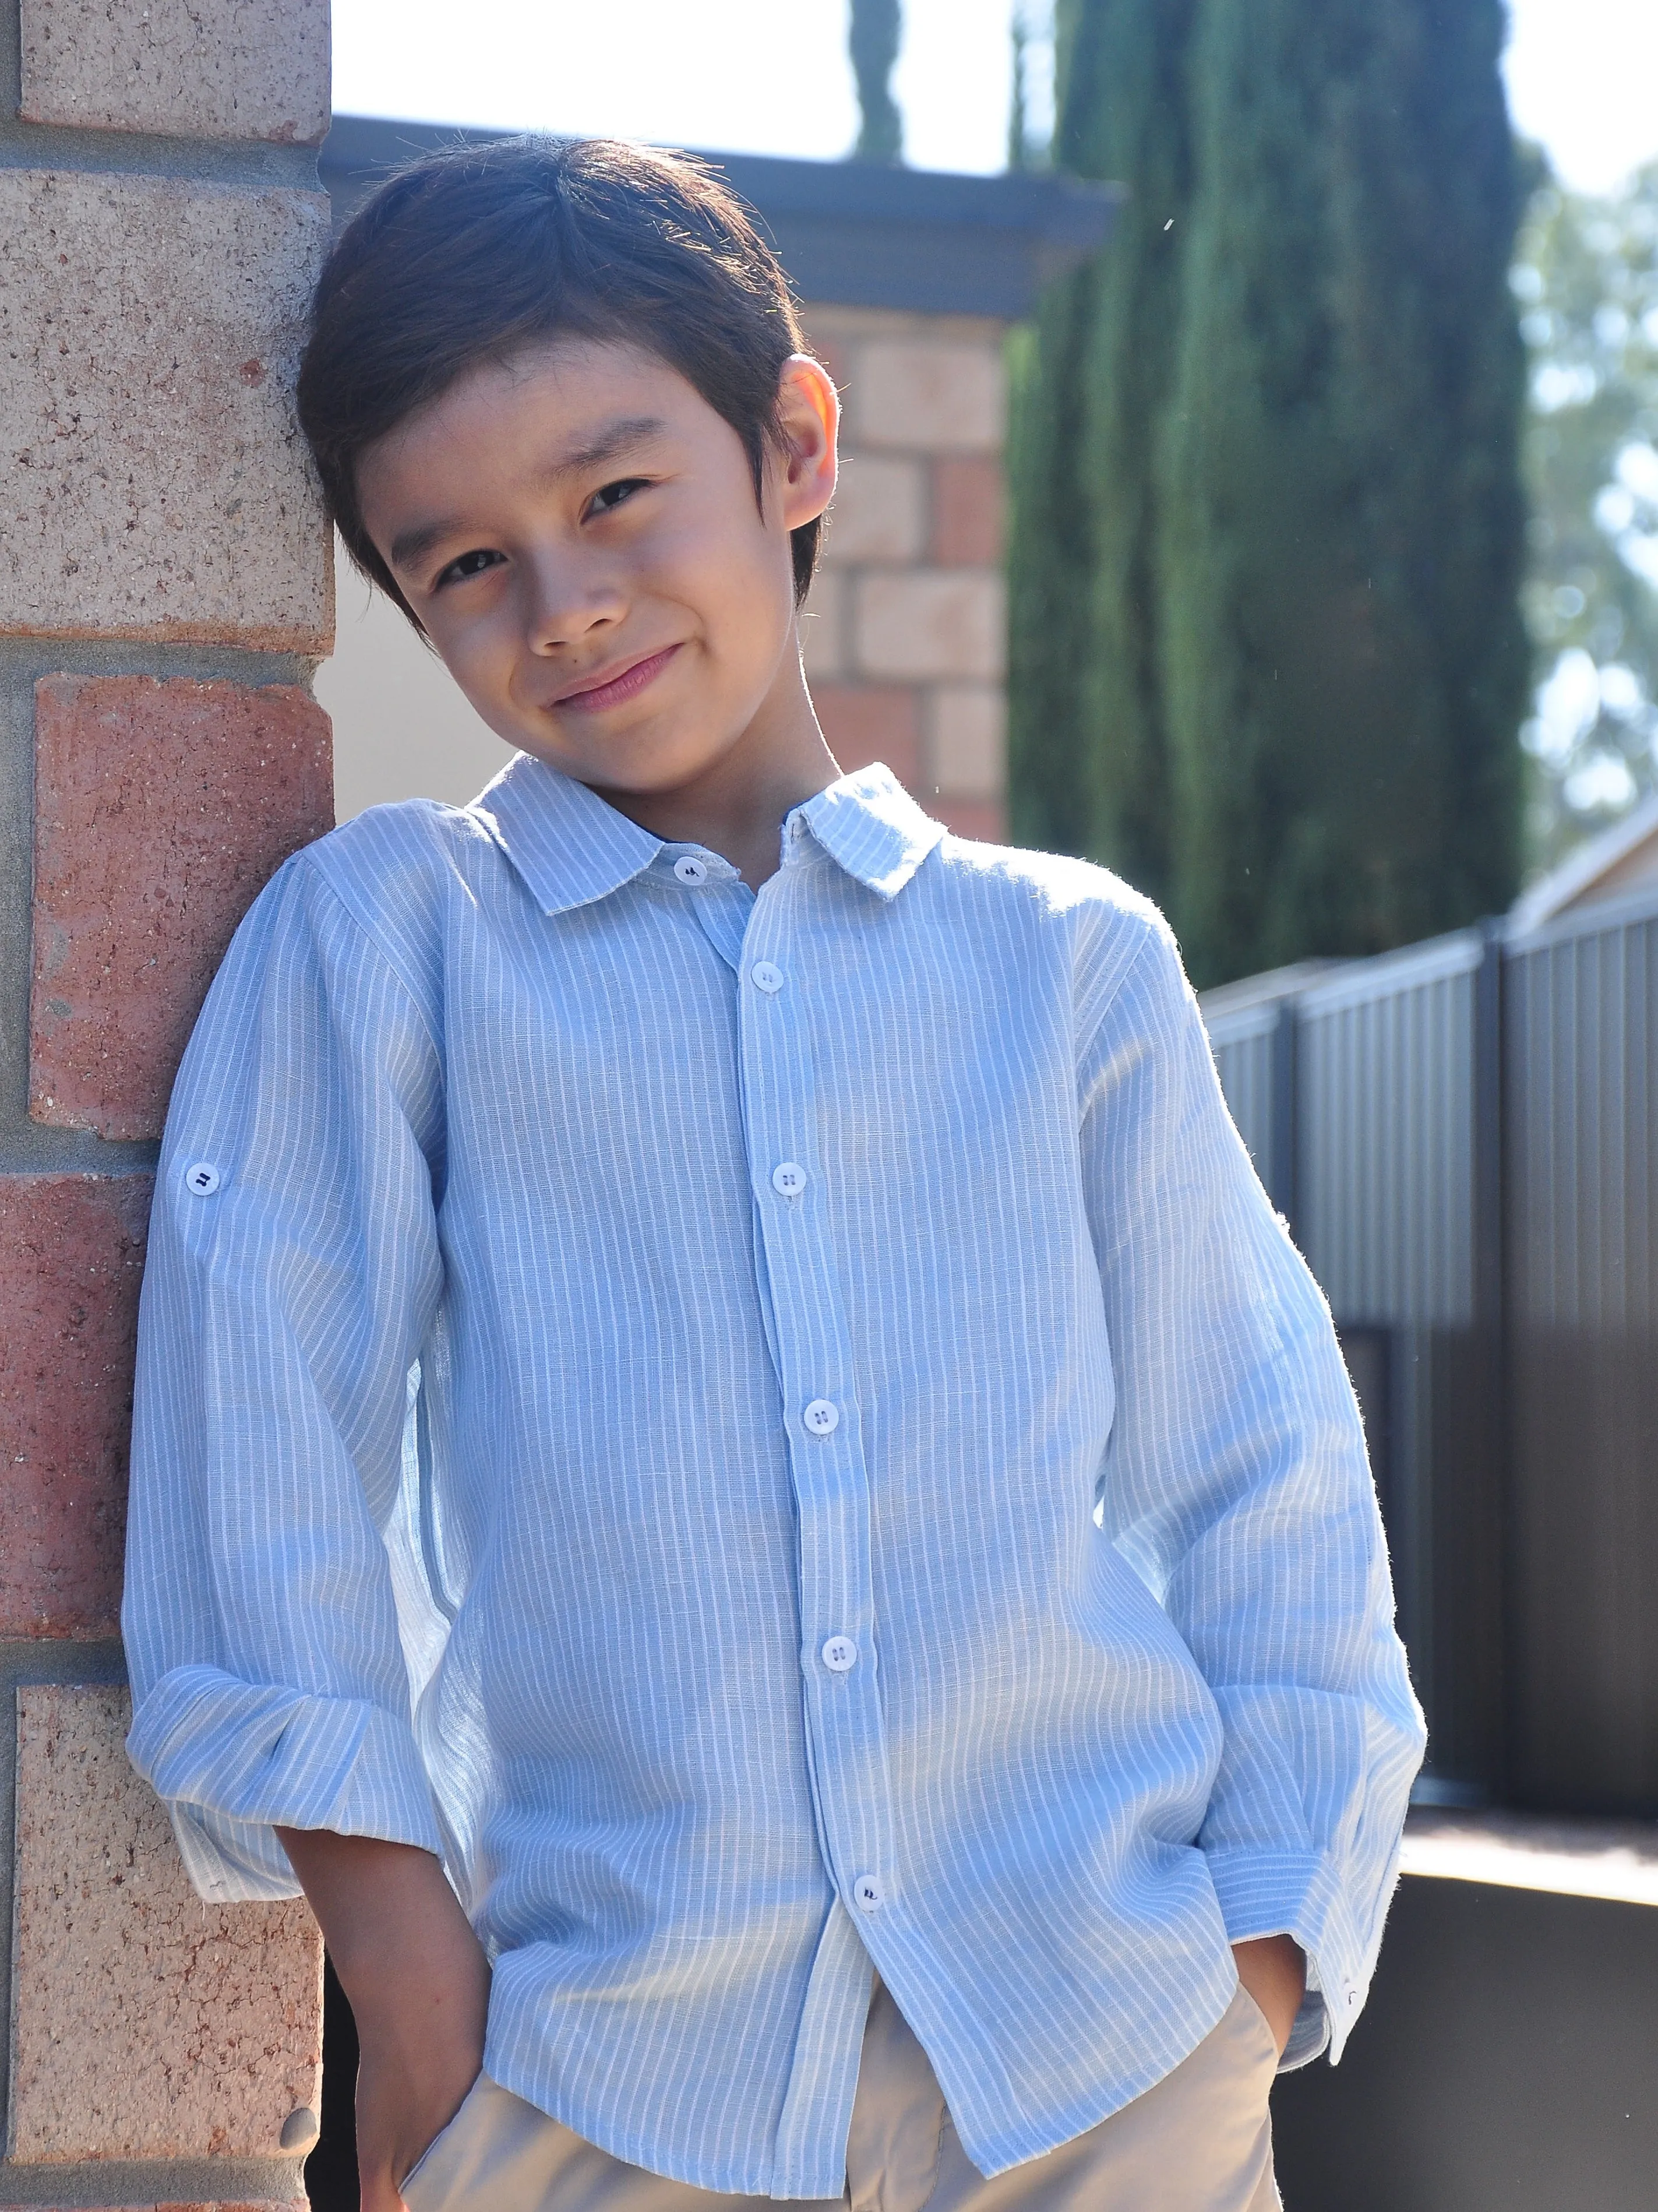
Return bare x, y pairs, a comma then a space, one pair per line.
1581, 1028
1396, 1117
1243, 1054
1251, 1034
1385, 1186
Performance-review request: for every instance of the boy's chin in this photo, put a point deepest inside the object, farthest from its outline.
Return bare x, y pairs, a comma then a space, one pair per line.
640, 771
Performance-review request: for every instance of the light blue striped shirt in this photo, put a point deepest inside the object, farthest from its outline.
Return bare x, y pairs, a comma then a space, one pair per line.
778, 1431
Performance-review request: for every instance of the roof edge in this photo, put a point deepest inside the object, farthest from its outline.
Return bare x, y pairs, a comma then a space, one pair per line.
852, 233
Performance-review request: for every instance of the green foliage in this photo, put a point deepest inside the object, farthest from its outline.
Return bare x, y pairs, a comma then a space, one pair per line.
1031, 30
1293, 686
872, 41
1586, 275
1086, 738
1343, 528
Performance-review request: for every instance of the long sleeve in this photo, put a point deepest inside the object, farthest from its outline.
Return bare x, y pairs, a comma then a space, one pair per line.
1236, 1483
294, 1268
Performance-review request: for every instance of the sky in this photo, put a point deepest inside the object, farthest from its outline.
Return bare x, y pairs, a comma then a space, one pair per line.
770, 76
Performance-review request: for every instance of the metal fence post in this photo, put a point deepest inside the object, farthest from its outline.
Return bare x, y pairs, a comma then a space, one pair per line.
1283, 1166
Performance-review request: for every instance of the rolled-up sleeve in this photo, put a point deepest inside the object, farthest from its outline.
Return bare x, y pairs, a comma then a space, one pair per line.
1236, 1482
294, 1269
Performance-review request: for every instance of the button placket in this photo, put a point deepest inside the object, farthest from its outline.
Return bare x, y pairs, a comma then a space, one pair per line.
811, 1348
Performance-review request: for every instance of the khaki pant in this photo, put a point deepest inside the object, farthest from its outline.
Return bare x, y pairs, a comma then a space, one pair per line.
1201, 2141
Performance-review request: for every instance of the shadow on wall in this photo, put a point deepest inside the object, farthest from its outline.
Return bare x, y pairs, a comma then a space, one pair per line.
1504, 2063
402, 727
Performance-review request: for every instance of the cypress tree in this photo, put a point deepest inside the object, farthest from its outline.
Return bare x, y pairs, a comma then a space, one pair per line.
872, 42
1087, 744
1050, 561
1341, 524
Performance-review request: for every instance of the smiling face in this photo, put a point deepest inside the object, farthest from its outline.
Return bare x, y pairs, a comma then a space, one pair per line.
578, 534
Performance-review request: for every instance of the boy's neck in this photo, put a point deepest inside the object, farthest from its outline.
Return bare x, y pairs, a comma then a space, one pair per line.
737, 804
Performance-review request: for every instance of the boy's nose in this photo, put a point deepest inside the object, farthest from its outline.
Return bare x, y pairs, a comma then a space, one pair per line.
565, 601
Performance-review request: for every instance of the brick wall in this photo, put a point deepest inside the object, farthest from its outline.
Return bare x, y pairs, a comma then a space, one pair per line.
904, 632
165, 592
904, 628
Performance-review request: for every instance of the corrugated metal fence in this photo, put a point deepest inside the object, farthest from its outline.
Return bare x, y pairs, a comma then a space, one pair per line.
1461, 1136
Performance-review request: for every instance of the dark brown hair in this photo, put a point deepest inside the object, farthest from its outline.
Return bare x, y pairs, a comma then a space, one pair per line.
475, 253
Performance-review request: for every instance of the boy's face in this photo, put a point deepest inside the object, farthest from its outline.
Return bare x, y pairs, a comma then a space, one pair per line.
578, 533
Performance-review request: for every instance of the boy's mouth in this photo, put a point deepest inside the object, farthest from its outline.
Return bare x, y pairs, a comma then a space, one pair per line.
626, 683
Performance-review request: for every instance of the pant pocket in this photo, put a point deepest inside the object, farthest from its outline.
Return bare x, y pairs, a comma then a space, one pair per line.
1259, 2026
432, 2156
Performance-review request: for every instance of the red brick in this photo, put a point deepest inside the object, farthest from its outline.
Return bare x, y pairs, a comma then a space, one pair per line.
866, 722
74, 1248
967, 511
161, 809
981, 818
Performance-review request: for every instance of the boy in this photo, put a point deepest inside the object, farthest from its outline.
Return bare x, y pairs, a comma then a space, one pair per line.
715, 1374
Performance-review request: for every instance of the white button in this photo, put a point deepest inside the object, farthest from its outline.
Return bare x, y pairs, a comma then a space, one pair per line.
839, 1655
789, 1179
689, 869
797, 830
869, 1892
202, 1179
766, 978
822, 1419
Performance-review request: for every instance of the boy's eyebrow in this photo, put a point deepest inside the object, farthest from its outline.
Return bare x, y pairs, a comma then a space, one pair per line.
626, 430
409, 546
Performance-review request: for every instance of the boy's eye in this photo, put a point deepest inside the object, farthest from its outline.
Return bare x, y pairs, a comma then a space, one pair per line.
469, 564
611, 495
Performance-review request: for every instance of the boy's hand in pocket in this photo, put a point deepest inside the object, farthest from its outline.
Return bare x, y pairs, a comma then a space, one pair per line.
1273, 1969
418, 1984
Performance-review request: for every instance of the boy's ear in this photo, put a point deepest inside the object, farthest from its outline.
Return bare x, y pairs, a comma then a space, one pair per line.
809, 423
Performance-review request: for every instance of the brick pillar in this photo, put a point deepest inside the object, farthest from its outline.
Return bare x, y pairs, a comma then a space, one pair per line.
164, 593
905, 629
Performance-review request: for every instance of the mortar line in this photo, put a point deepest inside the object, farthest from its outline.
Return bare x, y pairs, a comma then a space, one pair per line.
240, 164
122, 2184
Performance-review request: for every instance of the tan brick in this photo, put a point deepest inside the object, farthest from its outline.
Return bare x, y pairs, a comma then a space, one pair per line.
929, 624
201, 69
149, 2024
866, 722
967, 740
932, 397
832, 351
878, 512
152, 480
823, 626
73, 1249
161, 809
967, 511
984, 820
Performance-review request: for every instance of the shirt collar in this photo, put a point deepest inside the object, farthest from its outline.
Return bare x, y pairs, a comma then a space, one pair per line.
568, 845
869, 823
571, 847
